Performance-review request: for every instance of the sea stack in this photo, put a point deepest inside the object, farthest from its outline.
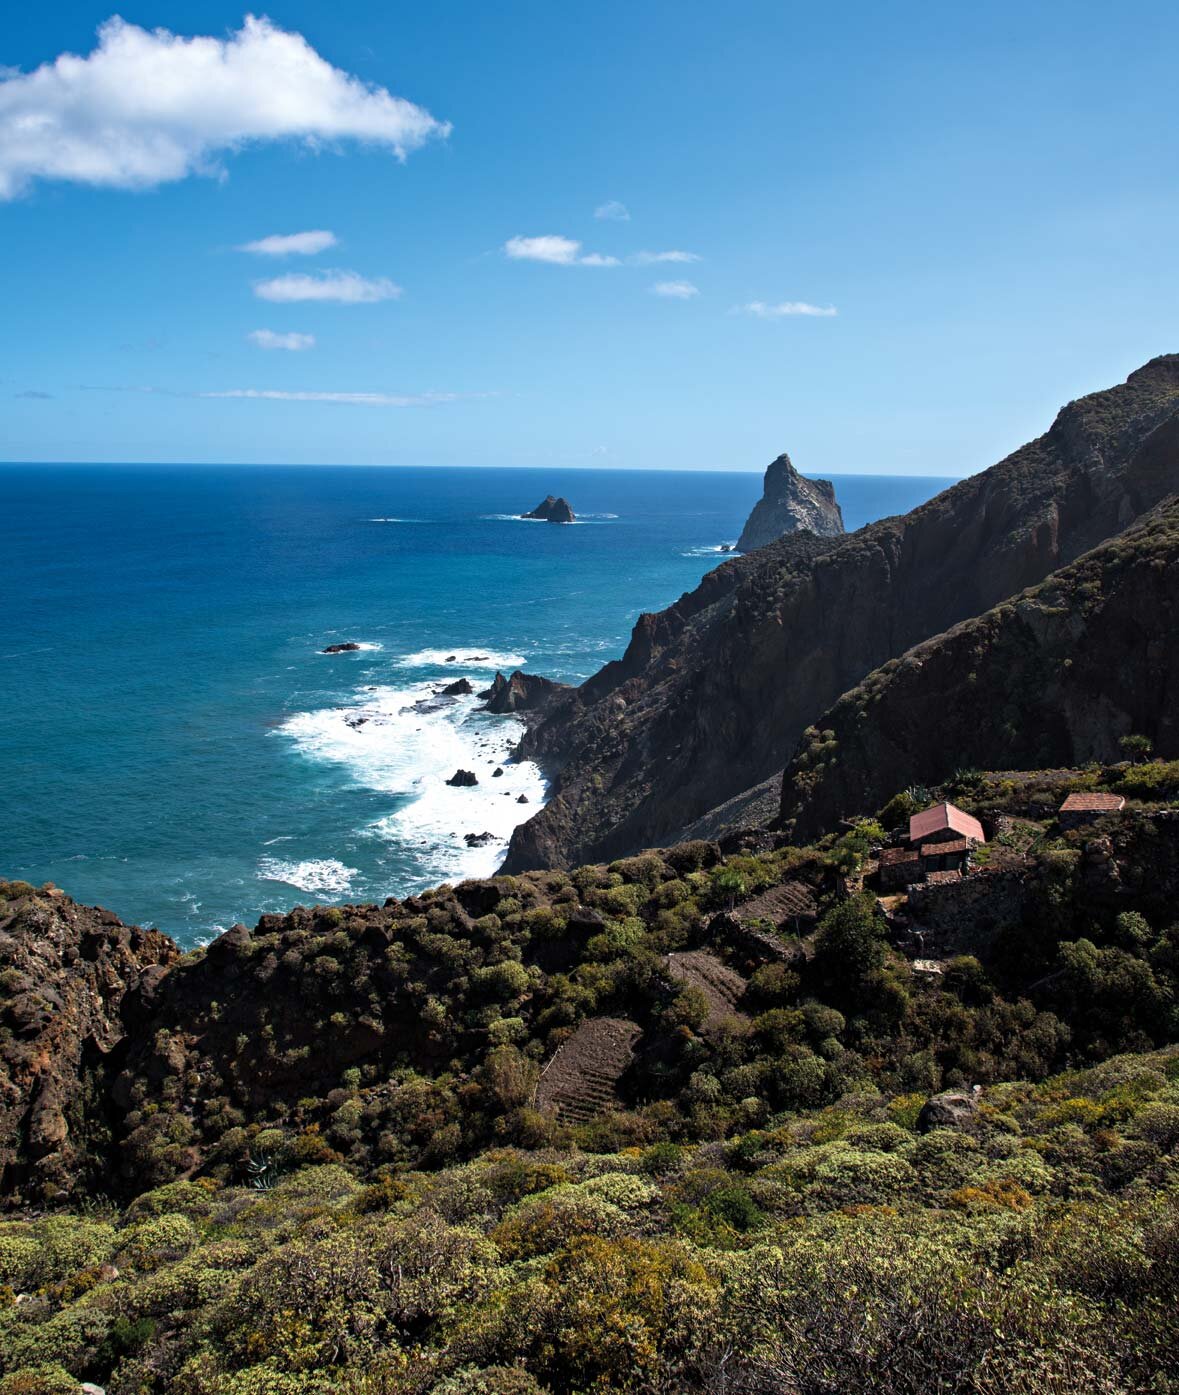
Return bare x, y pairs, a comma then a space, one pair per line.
791, 504
552, 510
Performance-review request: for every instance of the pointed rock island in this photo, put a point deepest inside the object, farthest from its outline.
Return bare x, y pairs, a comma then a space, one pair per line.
552, 510
791, 504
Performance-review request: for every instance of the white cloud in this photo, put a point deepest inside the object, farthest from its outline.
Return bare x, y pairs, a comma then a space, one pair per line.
345, 287
651, 258
304, 244
784, 308
347, 399
146, 108
675, 290
557, 251
268, 339
613, 212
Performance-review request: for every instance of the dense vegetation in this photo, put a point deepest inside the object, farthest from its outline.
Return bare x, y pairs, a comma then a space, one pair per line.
315, 1162
830, 1250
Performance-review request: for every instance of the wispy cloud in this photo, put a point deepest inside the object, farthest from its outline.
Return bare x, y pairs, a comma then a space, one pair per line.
343, 287
348, 399
763, 311
651, 258
300, 244
269, 339
613, 212
555, 250
144, 108
675, 290
34, 395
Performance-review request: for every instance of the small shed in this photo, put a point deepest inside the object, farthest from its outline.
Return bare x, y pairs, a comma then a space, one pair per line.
899, 867
1080, 809
946, 857
944, 823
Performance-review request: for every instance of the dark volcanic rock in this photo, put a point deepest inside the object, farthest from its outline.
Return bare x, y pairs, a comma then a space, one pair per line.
791, 504
552, 510
350, 647
478, 840
713, 694
463, 777
460, 688
1055, 677
523, 692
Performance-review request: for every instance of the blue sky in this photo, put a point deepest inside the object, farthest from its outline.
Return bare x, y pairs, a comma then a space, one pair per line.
985, 195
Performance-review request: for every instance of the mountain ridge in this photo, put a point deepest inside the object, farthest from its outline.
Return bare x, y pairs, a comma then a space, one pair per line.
713, 693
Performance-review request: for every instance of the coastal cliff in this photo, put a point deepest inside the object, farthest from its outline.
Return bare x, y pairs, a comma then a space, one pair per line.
1054, 677
713, 694
791, 504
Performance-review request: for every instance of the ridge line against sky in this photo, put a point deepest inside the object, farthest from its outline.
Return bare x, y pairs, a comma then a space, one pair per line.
491, 196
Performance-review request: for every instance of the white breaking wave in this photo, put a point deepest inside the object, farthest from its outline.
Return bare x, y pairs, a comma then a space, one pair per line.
406, 742
597, 515
725, 549
396, 520
323, 874
459, 658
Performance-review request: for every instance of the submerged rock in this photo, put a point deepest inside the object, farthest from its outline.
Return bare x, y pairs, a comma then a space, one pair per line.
552, 510
791, 504
478, 840
463, 777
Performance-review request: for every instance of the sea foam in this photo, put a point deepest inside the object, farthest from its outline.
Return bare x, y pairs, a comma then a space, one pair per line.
458, 657
323, 875
406, 742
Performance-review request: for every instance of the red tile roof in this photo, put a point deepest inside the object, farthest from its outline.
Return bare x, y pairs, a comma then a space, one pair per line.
942, 817
959, 845
890, 857
1093, 804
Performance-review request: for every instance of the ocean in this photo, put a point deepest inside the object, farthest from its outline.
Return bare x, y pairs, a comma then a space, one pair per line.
174, 745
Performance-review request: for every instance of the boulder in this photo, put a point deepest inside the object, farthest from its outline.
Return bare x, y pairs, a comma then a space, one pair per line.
552, 510
952, 1109
791, 504
478, 840
461, 687
463, 777
348, 648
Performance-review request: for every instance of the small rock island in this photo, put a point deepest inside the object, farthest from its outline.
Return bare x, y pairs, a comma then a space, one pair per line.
552, 510
791, 504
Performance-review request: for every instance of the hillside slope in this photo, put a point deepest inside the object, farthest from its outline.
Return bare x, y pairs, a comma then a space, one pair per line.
713, 693
1054, 677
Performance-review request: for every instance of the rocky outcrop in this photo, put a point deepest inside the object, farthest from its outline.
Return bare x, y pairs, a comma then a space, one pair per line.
348, 648
463, 778
713, 694
791, 504
72, 978
1054, 677
460, 688
522, 692
552, 510
953, 1109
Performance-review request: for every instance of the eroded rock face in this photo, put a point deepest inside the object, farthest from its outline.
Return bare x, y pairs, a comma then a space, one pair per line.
522, 692
72, 979
791, 504
552, 510
713, 694
463, 777
1086, 657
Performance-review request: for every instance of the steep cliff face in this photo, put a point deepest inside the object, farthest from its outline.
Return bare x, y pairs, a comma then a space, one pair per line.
1055, 676
791, 504
72, 979
713, 694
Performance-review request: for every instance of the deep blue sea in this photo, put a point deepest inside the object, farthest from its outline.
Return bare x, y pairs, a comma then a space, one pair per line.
174, 746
